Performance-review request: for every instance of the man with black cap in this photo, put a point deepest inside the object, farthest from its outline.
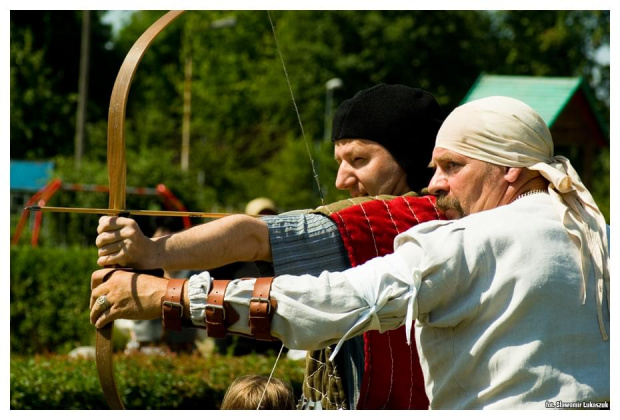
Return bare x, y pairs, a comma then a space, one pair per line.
395, 120
383, 139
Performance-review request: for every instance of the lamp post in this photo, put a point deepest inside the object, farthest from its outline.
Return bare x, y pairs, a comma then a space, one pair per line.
330, 86
187, 91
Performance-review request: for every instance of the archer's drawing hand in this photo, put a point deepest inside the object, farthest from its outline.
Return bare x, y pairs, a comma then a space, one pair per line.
122, 243
130, 295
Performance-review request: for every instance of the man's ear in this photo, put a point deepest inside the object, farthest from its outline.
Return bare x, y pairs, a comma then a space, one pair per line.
512, 174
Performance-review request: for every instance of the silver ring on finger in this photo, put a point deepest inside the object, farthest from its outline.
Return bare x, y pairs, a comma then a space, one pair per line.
103, 302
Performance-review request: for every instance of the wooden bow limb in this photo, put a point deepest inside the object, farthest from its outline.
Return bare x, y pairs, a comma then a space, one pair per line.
117, 172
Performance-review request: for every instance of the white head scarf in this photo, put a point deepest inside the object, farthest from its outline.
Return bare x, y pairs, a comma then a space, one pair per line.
507, 132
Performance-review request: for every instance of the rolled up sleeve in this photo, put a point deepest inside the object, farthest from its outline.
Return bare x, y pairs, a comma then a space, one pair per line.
305, 244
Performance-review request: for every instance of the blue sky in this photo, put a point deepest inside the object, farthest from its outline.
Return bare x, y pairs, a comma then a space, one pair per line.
117, 18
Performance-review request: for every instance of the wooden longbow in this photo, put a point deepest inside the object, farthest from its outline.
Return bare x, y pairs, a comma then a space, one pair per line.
117, 172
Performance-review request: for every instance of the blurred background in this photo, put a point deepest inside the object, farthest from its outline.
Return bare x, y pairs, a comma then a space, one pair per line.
210, 115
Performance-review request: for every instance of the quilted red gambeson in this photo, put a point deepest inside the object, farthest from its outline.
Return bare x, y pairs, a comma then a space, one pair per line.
392, 376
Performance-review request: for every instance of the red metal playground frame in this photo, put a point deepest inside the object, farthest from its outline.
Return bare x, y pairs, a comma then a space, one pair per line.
41, 197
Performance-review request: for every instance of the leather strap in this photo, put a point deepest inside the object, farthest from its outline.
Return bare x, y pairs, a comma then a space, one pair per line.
172, 305
219, 315
262, 308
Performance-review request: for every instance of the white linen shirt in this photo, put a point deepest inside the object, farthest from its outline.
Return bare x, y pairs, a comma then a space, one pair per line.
498, 299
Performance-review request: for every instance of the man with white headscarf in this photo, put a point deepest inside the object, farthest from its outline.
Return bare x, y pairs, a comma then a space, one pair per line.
510, 298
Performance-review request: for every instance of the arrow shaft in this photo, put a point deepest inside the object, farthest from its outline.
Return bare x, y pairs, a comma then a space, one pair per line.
114, 212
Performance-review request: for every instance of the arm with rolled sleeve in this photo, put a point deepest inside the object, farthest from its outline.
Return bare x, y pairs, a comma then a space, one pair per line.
301, 243
306, 243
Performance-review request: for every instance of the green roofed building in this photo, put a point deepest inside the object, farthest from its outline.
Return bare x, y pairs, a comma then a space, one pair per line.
565, 103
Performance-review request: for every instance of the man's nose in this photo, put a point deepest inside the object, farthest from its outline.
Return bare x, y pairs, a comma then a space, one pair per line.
438, 183
344, 177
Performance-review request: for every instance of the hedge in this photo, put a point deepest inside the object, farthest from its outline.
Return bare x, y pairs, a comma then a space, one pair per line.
144, 382
50, 293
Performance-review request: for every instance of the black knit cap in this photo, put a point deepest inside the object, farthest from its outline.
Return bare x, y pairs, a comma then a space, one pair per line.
404, 120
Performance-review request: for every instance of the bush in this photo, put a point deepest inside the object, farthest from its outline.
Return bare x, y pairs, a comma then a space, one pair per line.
144, 382
50, 293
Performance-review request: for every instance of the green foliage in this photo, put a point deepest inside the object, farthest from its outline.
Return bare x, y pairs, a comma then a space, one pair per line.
301, 190
245, 136
144, 382
50, 292
45, 59
547, 34
29, 69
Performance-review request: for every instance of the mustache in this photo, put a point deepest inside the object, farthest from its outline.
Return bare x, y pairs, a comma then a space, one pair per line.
449, 203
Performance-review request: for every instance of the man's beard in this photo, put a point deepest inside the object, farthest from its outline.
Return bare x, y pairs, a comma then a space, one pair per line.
445, 203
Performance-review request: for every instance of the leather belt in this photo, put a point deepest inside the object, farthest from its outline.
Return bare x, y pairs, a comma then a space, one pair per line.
262, 308
219, 315
172, 305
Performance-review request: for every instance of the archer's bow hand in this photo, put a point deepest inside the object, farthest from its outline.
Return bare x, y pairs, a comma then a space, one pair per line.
128, 295
122, 243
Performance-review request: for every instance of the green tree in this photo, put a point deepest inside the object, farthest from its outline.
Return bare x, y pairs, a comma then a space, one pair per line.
246, 138
45, 57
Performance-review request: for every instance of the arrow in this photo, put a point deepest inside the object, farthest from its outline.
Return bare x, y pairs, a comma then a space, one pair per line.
124, 213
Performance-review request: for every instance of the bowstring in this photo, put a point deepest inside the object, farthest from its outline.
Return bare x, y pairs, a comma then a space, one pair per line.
314, 173
301, 126
269, 378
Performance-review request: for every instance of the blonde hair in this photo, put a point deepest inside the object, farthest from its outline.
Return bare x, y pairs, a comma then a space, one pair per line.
246, 391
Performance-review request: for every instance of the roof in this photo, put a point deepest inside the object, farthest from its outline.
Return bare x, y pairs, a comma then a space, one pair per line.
547, 95
29, 175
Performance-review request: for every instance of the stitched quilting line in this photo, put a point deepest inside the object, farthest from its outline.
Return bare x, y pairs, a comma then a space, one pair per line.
410, 350
391, 370
346, 229
387, 208
348, 233
411, 210
434, 206
372, 233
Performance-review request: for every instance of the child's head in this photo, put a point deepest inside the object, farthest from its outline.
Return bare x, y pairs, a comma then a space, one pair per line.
246, 391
